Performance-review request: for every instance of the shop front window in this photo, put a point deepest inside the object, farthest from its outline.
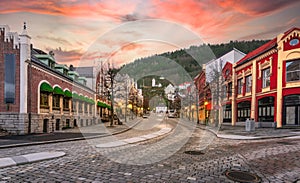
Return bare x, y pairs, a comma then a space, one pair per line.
266, 109
292, 70
291, 113
243, 109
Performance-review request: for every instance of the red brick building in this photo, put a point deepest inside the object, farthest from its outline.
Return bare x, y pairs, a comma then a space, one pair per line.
36, 93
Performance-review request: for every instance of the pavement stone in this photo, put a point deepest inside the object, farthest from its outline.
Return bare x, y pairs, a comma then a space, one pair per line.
272, 161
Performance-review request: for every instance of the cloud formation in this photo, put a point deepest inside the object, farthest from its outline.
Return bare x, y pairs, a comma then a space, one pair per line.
77, 24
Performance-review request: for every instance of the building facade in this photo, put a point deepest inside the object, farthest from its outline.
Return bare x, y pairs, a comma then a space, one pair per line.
266, 83
210, 90
38, 95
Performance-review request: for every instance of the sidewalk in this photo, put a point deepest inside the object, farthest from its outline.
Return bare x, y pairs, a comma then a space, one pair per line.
239, 132
78, 133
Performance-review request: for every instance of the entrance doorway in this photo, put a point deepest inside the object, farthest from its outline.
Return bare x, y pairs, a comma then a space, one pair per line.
57, 124
75, 123
45, 125
291, 112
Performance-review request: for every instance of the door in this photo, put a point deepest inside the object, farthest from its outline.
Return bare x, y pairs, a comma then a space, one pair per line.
45, 125
57, 124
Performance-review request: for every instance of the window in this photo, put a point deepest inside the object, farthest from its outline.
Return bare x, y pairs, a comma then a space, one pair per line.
44, 100
66, 103
225, 91
80, 106
56, 101
240, 86
266, 109
230, 89
85, 107
248, 83
291, 115
10, 79
293, 71
266, 78
243, 109
74, 105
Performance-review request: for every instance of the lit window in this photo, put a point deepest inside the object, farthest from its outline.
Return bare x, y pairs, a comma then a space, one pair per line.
266, 78
240, 86
56, 102
248, 83
66, 103
44, 100
293, 70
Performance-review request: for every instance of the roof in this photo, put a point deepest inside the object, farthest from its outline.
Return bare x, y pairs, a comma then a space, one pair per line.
264, 48
85, 71
289, 31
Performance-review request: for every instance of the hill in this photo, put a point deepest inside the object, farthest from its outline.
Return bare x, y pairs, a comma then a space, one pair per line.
182, 65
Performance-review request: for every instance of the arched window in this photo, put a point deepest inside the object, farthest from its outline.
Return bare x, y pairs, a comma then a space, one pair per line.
45, 91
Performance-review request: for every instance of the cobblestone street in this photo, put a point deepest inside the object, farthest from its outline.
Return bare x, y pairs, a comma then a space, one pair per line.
273, 160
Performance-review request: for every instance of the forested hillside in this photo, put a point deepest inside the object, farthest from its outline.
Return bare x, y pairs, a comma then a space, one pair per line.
182, 64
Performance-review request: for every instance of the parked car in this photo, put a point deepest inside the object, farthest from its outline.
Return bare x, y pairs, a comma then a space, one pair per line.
172, 113
146, 114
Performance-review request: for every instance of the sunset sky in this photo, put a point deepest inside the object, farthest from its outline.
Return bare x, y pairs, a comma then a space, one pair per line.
122, 30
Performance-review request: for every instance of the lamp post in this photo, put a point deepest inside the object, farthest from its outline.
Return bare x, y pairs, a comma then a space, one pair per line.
205, 111
126, 91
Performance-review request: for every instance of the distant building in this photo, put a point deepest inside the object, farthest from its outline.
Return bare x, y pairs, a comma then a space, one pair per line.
90, 75
209, 85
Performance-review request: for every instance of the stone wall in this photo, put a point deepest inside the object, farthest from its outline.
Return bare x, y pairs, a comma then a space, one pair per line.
14, 123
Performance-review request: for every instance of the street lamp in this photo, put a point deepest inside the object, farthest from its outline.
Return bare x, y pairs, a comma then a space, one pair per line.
205, 111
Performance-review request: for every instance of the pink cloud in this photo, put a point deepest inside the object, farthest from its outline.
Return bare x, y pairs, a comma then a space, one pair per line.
66, 56
113, 9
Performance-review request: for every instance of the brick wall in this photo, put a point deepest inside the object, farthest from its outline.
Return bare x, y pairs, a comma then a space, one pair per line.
38, 76
7, 47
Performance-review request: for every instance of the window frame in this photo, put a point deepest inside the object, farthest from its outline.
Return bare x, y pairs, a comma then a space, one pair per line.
44, 100
293, 71
248, 83
56, 102
240, 86
266, 79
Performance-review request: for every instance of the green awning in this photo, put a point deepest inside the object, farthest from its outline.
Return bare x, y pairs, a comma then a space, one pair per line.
68, 94
102, 104
75, 96
45, 87
82, 98
91, 101
108, 106
57, 90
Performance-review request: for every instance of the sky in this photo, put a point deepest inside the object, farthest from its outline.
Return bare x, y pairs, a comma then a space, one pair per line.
124, 30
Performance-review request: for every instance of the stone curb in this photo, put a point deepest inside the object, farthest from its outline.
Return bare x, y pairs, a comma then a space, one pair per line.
67, 140
29, 158
242, 137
